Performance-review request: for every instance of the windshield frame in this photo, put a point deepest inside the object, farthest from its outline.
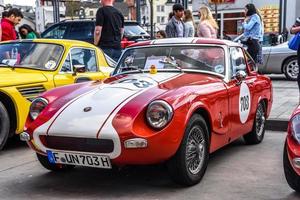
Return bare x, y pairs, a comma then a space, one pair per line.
37, 42
224, 47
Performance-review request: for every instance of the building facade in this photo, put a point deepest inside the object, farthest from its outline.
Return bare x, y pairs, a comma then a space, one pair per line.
44, 14
277, 14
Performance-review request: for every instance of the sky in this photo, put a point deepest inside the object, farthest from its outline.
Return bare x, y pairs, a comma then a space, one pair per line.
20, 2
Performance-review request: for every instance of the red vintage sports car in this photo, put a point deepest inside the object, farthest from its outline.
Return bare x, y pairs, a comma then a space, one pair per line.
291, 153
169, 100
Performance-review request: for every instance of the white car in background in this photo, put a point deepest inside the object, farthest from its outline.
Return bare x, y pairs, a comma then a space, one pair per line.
278, 59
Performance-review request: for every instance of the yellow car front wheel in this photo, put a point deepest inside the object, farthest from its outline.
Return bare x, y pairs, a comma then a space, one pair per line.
4, 125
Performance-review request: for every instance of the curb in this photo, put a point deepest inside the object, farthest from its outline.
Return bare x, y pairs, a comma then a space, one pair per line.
277, 124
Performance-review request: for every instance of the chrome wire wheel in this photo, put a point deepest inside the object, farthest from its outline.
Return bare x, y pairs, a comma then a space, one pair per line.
292, 69
260, 120
195, 150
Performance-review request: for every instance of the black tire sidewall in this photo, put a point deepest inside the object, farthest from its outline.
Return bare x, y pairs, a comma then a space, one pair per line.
4, 125
252, 137
179, 170
291, 176
285, 68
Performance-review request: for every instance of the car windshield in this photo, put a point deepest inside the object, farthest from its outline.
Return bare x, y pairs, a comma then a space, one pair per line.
134, 30
40, 56
202, 58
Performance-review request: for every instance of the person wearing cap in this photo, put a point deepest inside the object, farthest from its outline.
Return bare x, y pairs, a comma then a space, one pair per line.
294, 30
175, 27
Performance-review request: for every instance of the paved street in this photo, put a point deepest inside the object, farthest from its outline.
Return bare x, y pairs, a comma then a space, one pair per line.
235, 172
285, 97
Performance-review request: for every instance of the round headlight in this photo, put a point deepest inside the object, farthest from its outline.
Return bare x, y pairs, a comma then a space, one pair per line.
159, 114
37, 106
295, 127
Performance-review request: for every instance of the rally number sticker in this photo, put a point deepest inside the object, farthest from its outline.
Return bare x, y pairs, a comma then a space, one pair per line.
244, 102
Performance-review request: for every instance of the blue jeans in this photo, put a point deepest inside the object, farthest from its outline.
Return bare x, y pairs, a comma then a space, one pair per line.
113, 53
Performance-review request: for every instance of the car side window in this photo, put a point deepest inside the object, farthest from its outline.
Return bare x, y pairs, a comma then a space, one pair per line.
66, 67
250, 62
57, 32
237, 60
82, 30
84, 58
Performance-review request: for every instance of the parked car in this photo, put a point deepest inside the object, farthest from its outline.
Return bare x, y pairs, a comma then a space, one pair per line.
291, 153
170, 100
278, 59
84, 30
31, 67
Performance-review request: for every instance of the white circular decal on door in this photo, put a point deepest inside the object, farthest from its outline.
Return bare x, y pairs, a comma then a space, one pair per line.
244, 102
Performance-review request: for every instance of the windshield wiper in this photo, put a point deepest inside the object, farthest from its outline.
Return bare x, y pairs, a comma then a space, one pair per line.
6, 65
170, 61
131, 68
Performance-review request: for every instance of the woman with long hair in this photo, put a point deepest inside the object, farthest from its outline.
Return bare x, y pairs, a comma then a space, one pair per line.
189, 23
26, 32
208, 26
253, 31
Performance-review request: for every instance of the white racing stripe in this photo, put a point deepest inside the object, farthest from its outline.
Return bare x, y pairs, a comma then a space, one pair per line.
107, 98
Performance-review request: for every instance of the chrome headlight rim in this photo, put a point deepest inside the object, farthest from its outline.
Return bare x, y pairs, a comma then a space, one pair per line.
295, 134
39, 99
169, 110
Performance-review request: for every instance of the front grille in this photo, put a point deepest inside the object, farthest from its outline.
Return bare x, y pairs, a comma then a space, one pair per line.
31, 92
78, 144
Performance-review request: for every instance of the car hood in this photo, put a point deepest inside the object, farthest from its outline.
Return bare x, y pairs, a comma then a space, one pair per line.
93, 111
87, 113
15, 77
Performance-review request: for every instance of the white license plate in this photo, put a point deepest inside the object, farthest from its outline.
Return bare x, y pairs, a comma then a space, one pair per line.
87, 160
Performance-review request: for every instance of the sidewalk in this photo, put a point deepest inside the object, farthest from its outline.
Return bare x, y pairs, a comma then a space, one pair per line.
285, 100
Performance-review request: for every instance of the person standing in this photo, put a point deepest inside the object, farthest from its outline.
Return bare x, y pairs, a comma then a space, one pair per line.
4, 15
294, 30
253, 31
109, 29
175, 27
14, 17
208, 26
189, 23
26, 32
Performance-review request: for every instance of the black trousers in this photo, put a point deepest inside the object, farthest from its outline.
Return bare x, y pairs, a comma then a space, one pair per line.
253, 48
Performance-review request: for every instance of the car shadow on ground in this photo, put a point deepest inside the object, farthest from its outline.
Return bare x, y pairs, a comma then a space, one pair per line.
133, 180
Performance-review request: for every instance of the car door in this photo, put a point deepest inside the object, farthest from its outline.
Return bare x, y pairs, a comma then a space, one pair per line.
81, 64
241, 99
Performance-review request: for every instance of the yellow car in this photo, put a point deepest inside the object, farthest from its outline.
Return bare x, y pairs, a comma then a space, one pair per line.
30, 67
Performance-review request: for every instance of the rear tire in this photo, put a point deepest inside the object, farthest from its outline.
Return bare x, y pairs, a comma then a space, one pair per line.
291, 69
53, 167
189, 164
290, 175
257, 133
4, 126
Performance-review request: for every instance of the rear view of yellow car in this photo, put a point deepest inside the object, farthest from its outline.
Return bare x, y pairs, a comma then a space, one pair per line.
30, 67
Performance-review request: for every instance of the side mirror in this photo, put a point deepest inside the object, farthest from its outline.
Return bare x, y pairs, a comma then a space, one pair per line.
240, 76
78, 69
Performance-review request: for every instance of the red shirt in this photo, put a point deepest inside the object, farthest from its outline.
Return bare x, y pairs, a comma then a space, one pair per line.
8, 30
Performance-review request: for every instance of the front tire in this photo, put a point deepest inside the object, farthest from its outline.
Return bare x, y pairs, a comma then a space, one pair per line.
53, 167
4, 126
257, 133
291, 68
189, 164
290, 175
